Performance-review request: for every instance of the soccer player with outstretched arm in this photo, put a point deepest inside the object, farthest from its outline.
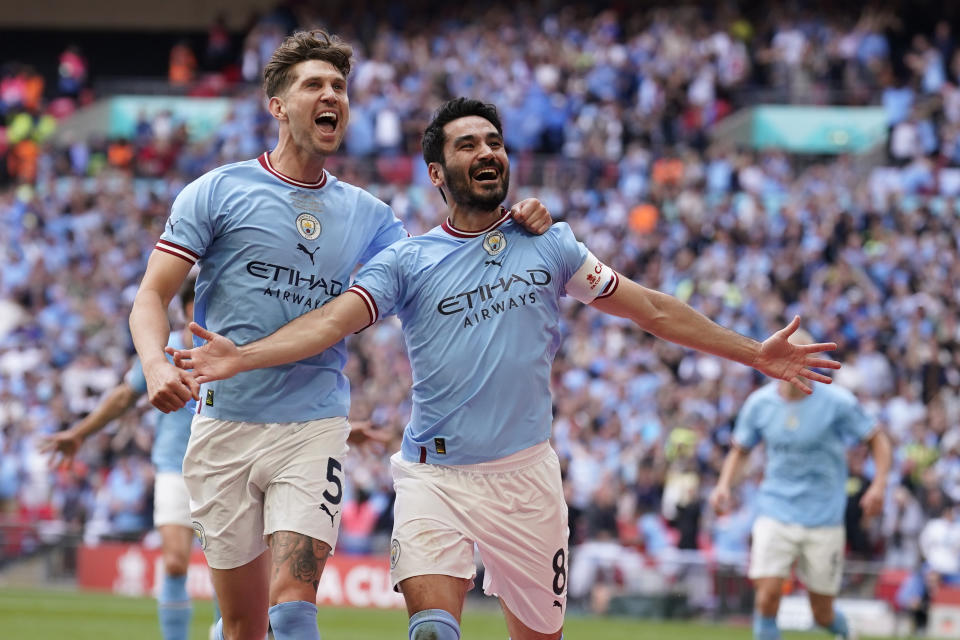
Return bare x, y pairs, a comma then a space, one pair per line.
478, 298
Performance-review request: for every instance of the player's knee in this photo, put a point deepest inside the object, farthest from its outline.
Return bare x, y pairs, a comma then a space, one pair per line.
767, 601
434, 624
175, 564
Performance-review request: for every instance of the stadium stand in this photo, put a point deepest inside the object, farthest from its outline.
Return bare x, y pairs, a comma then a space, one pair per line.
608, 115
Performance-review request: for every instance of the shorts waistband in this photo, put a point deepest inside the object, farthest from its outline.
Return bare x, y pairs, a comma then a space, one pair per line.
514, 462
322, 423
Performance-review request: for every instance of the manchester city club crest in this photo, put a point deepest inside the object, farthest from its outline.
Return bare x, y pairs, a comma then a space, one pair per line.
200, 533
495, 242
394, 553
308, 225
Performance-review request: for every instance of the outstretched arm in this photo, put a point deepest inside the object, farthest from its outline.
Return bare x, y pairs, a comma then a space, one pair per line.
63, 446
671, 319
306, 336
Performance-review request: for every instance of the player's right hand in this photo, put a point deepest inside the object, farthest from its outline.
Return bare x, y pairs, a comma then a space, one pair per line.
720, 499
62, 448
169, 388
219, 358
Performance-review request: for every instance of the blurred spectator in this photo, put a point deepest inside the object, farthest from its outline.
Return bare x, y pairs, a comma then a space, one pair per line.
183, 64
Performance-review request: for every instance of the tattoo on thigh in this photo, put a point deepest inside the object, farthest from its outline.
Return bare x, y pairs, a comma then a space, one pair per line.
305, 556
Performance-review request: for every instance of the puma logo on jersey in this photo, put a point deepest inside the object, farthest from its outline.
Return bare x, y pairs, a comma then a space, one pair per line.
487, 262
556, 603
307, 251
324, 508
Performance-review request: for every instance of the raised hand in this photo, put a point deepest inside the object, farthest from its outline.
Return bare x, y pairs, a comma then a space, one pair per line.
62, 447
219, 358
532, 215
782, 359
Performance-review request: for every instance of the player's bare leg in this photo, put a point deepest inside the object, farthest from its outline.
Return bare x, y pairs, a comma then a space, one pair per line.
434, 604
243, 595
176, 542
520, 631
767, 595
297, 565
824, 615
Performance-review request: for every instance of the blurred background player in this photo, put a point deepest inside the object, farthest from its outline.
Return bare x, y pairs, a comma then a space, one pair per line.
171, 503
478, 298
800, 507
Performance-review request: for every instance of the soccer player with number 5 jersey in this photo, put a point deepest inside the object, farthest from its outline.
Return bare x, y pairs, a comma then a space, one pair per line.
479, 301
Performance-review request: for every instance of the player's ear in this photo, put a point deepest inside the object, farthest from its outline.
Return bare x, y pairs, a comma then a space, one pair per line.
276, 108
435, 171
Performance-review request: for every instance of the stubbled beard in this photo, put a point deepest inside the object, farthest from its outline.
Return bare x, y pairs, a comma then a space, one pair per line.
464, 196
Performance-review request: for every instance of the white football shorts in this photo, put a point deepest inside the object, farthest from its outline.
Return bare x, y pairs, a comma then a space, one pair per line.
171, 502
248, 480
817, 551
512, 508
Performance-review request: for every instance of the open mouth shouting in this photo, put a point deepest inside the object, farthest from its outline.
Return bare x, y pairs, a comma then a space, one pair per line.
327, 121
488, 174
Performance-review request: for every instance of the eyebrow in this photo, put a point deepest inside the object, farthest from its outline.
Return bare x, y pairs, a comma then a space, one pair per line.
333, 77
469, 137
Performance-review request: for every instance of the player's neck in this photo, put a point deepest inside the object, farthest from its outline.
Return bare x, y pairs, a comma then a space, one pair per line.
297, 163
790, 392
466, 219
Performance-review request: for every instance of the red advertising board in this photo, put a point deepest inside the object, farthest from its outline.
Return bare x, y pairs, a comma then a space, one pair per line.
130, 569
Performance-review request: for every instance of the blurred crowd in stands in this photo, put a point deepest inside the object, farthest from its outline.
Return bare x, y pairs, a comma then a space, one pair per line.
607, 117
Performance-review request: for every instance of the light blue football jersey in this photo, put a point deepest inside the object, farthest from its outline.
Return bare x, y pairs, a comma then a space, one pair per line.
481, 322
173, 429
804, 480
270, 249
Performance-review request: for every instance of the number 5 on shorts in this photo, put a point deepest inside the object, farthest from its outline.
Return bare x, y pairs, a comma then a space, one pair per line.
333, 466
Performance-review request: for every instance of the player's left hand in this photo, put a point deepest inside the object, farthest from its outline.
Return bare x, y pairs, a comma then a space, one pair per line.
532, 215
871, 502
218, 359
364, 432
781, 359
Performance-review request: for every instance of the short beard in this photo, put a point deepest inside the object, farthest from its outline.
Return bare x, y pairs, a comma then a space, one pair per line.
463, 196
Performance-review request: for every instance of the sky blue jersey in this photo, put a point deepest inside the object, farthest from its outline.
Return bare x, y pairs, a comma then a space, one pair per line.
173, 429
271, 248
804, 480
481, 322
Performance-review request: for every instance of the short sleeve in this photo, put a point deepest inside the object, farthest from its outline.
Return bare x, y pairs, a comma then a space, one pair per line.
746, 435
585, 277
389, 229
378, 284
135, 377
853, 420
189, 229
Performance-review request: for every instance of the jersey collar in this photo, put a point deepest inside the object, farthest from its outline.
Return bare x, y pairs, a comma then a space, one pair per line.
447, 226
265, 163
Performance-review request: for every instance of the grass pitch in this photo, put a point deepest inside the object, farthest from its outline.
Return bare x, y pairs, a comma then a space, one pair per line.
72, 615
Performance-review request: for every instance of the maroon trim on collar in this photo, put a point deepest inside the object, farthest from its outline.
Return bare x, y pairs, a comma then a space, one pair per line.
265, 163
447, 226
